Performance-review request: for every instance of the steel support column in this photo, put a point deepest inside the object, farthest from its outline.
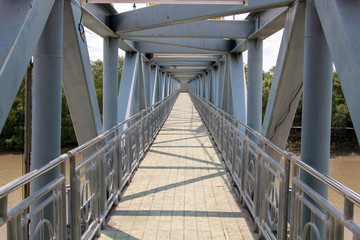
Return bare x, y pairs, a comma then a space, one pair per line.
220, 76
207, 86
317, 99
46, 113
254, 97
214, 73
162, 84
127, 85
110, 82
238, 89
154, 79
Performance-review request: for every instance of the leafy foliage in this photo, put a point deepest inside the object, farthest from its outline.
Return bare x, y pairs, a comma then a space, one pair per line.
12, 135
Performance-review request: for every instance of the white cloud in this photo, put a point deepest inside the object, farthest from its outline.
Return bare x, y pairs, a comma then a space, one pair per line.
271, 47
95, 45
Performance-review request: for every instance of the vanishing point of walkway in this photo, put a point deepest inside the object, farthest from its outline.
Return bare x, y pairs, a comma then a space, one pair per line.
180, 190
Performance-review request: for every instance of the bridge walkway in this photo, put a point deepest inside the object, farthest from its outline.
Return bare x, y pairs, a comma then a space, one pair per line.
180, 190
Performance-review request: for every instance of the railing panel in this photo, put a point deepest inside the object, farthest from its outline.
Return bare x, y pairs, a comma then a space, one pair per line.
264, 182
96, 173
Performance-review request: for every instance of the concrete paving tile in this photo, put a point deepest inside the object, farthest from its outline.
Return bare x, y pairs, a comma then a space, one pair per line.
180, 191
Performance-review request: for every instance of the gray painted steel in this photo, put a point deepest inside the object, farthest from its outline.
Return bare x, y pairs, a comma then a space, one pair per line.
169, 47
316, 113
16, 48
287, 84
78, 81
46, 109
254, 84
165, 15
110, 82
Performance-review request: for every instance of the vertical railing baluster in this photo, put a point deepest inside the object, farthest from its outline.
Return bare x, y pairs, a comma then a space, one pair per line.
75, 200
62, 203
284, 201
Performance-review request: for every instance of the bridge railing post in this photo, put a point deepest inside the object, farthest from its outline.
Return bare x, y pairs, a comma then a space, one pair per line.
75, 222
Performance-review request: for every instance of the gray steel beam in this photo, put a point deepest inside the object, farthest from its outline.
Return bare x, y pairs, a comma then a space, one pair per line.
339, 21
316, 111
226, 103
286, 87
20, 19
235, 87
138, 102
269, 22
185, 71
207, 86
167, 14
154, 79
78, 81
162, 84
131, 96
147, 82
159, 48
46, 108
199, 29
220, 77
255, 77
110, 82
174, 63
194, 43
213, 72
96, 19
185, 58
240, 46
238, 87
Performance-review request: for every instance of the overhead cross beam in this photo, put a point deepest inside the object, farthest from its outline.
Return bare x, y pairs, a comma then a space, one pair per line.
169, 14
196, 43
199, 29
18, 22
174, 1
144, 47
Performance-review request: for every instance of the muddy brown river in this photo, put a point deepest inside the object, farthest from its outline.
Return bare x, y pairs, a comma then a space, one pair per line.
345, 169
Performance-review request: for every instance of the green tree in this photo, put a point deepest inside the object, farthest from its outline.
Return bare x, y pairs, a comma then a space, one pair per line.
12, 135
340, 113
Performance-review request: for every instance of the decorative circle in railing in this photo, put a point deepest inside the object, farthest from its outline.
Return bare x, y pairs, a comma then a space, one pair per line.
110, 175
272, 208
251, 173
86, 202
313, 228
39, 230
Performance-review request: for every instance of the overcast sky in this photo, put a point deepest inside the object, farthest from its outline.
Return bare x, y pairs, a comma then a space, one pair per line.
271, 44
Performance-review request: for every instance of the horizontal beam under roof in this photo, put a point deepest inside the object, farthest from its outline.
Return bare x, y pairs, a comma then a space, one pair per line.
171, 14
159, 48
194, 43
174, 63
245, 2
199, 29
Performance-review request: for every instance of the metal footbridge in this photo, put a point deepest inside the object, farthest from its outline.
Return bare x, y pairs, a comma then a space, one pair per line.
181, 149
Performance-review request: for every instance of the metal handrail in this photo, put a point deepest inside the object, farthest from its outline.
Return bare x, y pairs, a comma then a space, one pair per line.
28, 177
21, 181
264, 181
337, 186
115, 128
100, 146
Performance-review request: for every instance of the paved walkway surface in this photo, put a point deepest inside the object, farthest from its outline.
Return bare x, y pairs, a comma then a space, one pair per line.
180, 190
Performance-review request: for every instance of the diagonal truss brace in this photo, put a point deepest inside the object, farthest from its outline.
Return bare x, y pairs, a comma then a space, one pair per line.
20, 33
78, 81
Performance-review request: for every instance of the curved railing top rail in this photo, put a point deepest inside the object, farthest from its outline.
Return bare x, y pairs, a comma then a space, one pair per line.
115, 128
17, 183
21, 181
335, 185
